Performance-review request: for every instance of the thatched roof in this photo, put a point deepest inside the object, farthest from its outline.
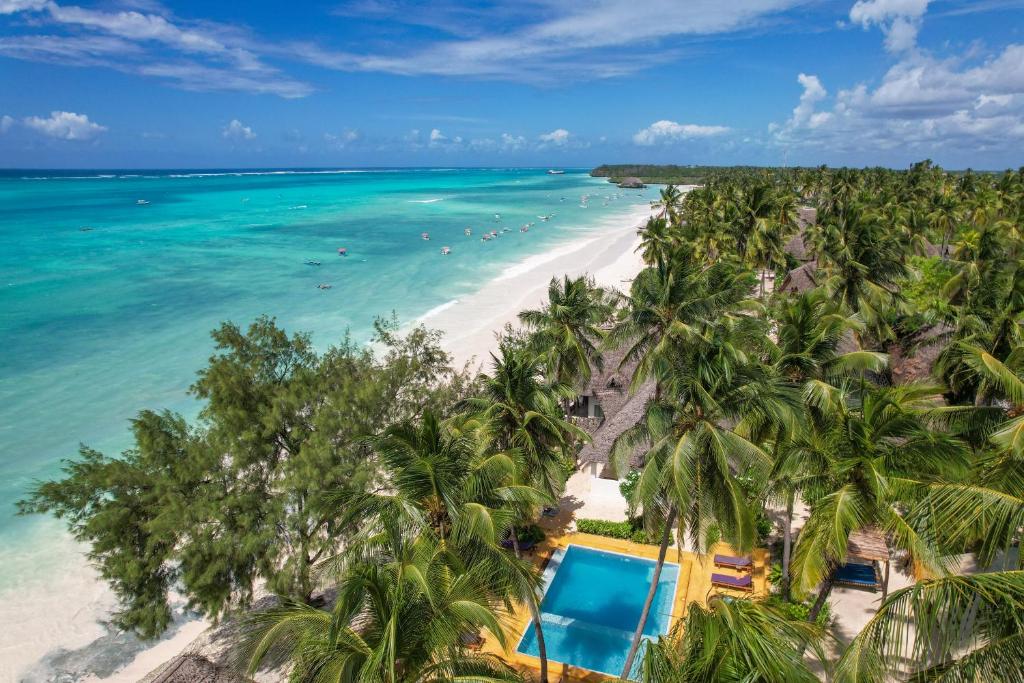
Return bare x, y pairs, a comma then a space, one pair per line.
797, 248
610, 388
632, 183
800, 279
935, 250
913, 360
806, 215
868, 544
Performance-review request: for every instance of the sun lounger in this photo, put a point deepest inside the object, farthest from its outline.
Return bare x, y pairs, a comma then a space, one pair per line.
741, 583
523, 545
860, 575
738, 563
472, 640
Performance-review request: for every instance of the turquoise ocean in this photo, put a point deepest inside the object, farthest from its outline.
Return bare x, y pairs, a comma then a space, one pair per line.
111, 281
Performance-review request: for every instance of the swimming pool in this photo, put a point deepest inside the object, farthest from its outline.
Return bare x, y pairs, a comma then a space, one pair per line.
592, 604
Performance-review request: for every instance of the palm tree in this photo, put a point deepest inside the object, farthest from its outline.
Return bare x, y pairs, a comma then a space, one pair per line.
810, 330
862, 268
692, 459
733, 640
566, 332
670, 202
519, 414
756, 222
400, 616
952, 629
656, 242
673, 301
879, 448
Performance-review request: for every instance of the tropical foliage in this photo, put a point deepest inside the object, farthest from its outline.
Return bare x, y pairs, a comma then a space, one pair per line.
386, 499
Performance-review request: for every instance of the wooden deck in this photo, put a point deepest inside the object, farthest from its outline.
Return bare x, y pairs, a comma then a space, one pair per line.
694, 585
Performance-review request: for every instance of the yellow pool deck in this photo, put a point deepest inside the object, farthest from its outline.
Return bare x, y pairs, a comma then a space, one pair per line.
694, 585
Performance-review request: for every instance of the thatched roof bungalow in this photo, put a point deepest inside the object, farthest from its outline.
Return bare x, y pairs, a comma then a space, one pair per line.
914, 359
800, 279
632, 183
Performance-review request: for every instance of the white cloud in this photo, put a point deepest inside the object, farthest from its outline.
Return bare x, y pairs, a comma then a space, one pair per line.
5, 123
344, 139
670, 131
13, 6
198, 55
437, 137
556, 138
236, 130
512, 142
900, 20
922, 104
555, 40
65, 125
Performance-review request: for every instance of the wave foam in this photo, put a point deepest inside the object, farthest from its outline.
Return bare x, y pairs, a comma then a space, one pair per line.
437, 309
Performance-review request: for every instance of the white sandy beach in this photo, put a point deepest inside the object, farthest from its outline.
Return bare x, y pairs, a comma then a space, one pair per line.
607, 252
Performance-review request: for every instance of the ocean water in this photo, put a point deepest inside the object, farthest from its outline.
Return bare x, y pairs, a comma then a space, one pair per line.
106, 305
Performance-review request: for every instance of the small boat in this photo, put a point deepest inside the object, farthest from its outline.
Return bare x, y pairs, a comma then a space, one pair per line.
142, 202
312, 263
554, 172
445, 251
525, 228
324, 285
342, 251
425, 235
497, 216
85, 229
468, 231
494, 233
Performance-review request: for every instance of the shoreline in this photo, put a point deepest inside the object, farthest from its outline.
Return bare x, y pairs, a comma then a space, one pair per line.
470, 325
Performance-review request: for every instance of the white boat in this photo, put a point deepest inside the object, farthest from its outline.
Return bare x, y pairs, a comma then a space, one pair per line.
468, 231
554, 172
425, 235
142, 202
445, 251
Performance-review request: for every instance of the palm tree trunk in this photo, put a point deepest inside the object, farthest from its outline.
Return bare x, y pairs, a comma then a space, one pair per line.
542, 650
666, 535
787, 544
819, 602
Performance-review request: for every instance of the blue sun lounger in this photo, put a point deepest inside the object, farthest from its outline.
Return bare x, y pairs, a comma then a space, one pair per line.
860, 575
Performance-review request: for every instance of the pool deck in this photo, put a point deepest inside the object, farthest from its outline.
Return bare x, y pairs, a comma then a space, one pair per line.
694, 585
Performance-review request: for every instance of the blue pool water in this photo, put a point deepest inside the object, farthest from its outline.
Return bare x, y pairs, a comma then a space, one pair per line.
593, 603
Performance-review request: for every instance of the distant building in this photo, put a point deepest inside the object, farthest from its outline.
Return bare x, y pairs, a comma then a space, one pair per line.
606, 409
914, 359
632, 183
800, 279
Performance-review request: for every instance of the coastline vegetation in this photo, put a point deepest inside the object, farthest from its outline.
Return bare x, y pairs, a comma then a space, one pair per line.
409, 489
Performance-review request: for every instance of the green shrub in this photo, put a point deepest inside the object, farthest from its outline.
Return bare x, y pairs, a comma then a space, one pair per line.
631, 530
531, 533
798, 611
627, 488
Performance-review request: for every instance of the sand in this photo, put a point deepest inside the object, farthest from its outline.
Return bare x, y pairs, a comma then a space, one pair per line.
607, 252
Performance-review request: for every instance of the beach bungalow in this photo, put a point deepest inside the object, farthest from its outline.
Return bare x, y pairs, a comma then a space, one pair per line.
800, 279
866, 550
913, 359
606, 409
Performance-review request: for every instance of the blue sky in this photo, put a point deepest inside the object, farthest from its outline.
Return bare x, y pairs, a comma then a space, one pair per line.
144, 83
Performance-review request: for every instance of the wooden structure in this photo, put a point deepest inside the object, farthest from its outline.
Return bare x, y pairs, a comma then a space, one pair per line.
869, 545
